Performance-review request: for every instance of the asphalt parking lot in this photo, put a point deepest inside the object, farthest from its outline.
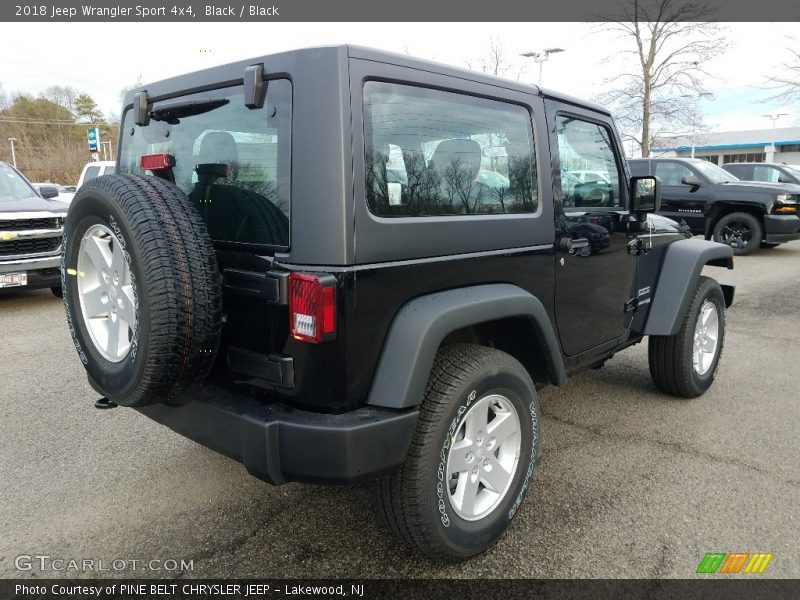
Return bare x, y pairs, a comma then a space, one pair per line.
630, 483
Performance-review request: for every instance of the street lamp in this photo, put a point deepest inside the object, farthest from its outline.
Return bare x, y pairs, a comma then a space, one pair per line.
13, 153
695, 109
774, 119
540, 57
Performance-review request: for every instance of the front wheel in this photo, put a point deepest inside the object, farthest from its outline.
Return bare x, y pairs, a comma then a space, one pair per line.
741, 231
472, 456
685, 364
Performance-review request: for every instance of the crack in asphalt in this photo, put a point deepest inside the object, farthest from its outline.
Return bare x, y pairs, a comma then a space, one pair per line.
603, 431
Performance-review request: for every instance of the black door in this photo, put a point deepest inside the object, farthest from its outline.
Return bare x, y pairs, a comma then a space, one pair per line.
594, 272
681, 201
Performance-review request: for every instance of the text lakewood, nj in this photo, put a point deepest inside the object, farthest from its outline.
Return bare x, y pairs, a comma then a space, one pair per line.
155, 11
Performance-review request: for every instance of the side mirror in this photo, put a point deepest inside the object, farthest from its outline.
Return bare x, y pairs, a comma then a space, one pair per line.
692, 180
645, 194
785, 179
48, 191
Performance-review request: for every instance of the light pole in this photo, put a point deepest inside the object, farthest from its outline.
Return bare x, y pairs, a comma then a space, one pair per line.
774, 119
695, 110
540, 57
13, 152
110, 154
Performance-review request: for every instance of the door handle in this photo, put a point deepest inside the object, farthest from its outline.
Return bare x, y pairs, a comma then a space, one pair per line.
576, 244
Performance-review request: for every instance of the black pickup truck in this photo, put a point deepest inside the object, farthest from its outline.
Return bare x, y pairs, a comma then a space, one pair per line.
337, 265
714, 203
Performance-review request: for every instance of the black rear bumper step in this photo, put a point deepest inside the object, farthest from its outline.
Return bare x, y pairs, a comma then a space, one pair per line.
279, 444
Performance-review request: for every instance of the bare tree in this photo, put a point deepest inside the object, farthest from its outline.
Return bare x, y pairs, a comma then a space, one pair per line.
63, 95
786, 83
496, 61
662, 72
4, 101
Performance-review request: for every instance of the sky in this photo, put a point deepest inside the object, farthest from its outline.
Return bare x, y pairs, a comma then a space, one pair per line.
90, 57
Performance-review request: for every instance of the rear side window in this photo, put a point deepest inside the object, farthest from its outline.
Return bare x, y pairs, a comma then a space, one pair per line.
233, 162
91, 173
434, 153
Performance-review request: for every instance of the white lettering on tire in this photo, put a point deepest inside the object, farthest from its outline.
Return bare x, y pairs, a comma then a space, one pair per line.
440, 473
534, 437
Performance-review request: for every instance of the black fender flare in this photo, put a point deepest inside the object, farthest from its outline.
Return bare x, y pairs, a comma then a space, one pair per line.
421, 324
677, 281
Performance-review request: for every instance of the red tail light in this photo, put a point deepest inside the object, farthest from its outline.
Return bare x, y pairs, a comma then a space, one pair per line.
312, 307
157, 162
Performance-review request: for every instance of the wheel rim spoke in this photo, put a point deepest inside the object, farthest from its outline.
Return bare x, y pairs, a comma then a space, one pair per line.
458, 462
112, 345
99, 253
476, 421
466, 493
126, 309
495, 478
502, 427
95, 302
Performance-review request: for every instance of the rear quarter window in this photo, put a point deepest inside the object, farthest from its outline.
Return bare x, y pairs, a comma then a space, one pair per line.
436, 153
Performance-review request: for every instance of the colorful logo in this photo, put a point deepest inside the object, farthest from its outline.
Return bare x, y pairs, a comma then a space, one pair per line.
734, 562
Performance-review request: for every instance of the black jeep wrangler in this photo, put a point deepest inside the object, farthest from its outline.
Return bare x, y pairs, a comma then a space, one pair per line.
336, 265
714, 203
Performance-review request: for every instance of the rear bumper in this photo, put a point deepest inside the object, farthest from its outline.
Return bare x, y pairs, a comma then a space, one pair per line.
279, 444
781, 228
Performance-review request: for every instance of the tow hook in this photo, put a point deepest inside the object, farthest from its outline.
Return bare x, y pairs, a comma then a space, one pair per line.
105, 403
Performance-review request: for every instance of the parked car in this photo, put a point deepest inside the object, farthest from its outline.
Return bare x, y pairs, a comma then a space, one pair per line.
31, 232
96, 169
770, 172
64, 195
714, 203
354, 333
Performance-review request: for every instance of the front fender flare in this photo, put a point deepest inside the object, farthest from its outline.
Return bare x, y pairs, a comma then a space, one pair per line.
421, 324
677, 282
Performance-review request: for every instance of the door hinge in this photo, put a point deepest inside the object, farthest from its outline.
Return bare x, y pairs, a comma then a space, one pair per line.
637, 247
632, 305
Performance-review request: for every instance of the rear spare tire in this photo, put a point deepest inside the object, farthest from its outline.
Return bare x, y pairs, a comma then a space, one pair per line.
142, 289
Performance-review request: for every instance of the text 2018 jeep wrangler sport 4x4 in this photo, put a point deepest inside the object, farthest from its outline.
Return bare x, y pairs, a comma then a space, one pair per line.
336, 265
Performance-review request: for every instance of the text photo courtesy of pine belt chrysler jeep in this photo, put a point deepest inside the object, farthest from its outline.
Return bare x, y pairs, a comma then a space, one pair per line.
337, 265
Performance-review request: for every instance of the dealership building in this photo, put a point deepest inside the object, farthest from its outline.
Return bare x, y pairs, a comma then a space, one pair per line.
735, 146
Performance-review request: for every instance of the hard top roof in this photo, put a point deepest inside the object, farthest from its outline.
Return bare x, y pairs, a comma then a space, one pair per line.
231, 72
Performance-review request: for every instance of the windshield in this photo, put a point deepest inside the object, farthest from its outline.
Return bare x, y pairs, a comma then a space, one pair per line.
232, 161
714, 173
12, 186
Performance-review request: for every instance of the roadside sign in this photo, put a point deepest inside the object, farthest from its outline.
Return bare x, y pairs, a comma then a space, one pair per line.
93, 137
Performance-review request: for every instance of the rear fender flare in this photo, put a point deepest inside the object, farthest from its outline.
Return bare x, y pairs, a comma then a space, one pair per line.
421, 324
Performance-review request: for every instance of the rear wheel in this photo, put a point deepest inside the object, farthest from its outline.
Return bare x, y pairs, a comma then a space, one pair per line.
141, 288
741, 231
57, 291
685, 364
471, 458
